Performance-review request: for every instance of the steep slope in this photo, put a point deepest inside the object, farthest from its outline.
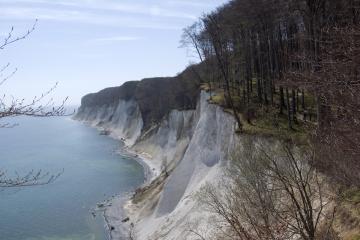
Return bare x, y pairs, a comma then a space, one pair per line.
211, 139
193, 145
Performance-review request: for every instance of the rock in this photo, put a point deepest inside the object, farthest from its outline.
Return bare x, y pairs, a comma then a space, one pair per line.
125, 220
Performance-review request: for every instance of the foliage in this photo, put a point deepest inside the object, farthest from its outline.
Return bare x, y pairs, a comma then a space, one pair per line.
299, 57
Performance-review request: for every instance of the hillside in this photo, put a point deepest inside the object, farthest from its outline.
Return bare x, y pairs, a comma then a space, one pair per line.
156, 97
269, 148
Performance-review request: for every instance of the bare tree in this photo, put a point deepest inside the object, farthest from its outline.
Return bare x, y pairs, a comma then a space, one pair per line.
269, 195
194, 38
39, 106
191, 37
32, 178
264, 52
222, 50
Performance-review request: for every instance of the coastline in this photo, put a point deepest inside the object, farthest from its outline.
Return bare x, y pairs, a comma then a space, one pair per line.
120, 208
151, 171
168, 207
119, 215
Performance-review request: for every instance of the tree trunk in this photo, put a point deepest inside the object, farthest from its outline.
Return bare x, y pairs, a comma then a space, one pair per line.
288, 109
293, 105
303, 99
297, 100
282, 100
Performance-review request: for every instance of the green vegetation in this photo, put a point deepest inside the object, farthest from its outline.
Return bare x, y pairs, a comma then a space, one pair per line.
265, 121
268, 125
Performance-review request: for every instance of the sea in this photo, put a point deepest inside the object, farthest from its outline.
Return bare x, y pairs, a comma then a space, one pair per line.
92, 167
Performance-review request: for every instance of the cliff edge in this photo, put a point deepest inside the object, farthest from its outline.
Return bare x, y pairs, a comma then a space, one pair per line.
185, 140
155, 97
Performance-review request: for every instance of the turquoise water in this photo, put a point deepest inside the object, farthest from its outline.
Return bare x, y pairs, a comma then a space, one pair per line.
93, 172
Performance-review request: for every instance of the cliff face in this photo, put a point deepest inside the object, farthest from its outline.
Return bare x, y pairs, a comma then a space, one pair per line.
122, 118
207, 139
155, 98
158, 96
194, 144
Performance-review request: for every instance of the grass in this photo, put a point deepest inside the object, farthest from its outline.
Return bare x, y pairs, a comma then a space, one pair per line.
266, 120
275, 125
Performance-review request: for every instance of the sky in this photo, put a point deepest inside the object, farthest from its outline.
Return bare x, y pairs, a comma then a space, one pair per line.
88, 45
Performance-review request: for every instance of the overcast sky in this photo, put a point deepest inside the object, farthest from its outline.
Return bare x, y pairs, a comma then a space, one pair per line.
87, 45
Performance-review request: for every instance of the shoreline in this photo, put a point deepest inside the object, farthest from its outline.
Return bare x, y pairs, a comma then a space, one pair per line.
166, 207
117, 214
150, 170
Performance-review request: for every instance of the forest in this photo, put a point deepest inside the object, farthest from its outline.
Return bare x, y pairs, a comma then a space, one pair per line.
288, 68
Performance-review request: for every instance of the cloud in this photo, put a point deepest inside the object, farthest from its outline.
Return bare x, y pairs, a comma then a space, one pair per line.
148, 9
86, 17
115, 39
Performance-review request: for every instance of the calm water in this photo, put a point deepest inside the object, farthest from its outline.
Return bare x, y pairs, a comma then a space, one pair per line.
61, 210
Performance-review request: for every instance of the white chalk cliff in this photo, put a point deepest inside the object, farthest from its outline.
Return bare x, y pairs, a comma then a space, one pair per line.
194, 144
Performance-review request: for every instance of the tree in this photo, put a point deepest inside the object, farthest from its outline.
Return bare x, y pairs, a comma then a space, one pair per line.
332, 76
190, 37
269, 194
32, 178
222, 49
194, 38
263, 53
20, 107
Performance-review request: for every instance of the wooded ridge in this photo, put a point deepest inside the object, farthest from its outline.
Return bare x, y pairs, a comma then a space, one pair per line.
289, 65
